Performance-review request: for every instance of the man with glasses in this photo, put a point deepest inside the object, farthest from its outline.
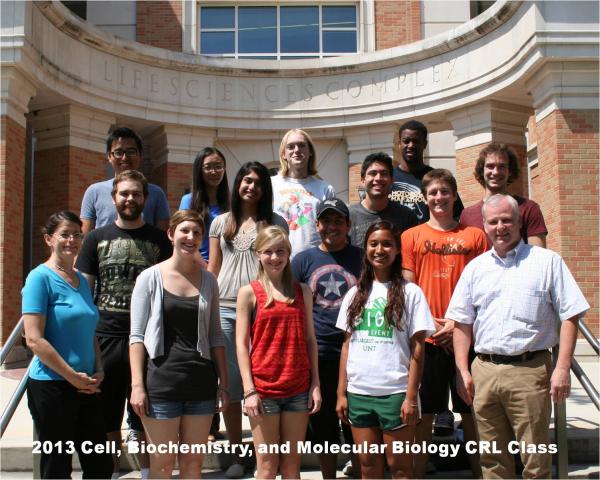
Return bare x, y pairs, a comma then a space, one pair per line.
124, 151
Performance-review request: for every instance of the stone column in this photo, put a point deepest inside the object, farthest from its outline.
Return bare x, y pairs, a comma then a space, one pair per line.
362, 141
565, 99
475, 127
173, 149
70, 155
15, 95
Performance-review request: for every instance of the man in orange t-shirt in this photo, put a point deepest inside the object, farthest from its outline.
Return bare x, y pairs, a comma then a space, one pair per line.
434, 255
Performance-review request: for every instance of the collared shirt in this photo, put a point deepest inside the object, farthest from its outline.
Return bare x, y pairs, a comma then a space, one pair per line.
516, 303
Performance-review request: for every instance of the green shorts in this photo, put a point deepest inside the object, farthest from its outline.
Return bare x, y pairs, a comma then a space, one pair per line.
368, 411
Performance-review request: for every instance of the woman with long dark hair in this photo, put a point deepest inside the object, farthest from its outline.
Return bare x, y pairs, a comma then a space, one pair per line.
386, 321
233, 260
210, 191
66, 374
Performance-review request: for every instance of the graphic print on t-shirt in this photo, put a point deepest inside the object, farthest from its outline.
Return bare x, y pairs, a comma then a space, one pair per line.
120, 261
372, 321
296, 205
329, 284
448, 249
410, 196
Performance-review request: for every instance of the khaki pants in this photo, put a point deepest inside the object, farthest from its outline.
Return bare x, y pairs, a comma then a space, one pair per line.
513, 402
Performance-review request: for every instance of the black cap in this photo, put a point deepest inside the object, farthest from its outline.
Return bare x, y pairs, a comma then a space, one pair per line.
333, 204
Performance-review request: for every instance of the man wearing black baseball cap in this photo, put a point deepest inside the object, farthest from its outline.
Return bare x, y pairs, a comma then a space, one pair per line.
330, 270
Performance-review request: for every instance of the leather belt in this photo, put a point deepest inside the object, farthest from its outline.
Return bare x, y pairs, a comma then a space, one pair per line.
507, 359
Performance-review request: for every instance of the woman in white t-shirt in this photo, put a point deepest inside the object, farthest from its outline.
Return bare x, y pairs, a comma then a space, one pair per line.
297, 191
386, 321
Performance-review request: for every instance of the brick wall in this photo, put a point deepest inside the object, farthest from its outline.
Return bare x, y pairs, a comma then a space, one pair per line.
174, 179
354, 182
397, 22
12, 196
159, 23
566, 186
468, 188
61, 177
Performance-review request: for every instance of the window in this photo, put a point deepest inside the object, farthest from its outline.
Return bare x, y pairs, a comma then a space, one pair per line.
278, 32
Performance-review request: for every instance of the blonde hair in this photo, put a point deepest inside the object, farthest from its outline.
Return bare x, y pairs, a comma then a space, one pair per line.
312, 161
267, 237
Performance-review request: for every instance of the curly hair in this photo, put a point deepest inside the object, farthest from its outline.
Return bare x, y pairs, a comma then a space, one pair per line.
395, 307
498, 149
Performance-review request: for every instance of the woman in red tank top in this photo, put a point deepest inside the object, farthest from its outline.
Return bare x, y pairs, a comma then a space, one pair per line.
279, 371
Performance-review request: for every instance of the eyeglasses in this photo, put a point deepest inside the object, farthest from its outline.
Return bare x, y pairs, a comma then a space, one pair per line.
213, 168
68, 236
292, 146
130, 152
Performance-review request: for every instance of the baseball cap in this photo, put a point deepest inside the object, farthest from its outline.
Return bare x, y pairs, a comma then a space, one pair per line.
333, 204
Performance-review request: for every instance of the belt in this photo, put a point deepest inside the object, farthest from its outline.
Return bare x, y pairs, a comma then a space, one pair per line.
506, 359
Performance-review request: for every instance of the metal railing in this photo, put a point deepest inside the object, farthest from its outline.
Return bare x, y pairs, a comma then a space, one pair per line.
14, 401
560, 411
560, 414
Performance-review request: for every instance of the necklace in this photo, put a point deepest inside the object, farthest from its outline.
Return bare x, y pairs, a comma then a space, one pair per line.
68, 272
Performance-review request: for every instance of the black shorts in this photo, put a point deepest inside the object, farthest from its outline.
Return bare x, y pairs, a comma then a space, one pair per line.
324, 426
439, 377
116, 387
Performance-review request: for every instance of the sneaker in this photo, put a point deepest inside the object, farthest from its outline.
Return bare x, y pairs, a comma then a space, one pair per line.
443, 424
348, 470
235, 470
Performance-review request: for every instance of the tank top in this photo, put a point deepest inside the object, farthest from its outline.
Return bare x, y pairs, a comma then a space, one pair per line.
279, 356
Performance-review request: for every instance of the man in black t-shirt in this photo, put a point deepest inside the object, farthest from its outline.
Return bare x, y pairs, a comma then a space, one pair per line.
376, 176
111, 258
406, 189
330, 270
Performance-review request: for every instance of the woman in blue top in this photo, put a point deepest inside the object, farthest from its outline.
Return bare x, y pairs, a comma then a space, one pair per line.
66, 373
210, 190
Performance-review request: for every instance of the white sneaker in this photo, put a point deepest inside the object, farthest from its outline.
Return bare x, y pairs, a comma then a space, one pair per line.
347, 470
235, 470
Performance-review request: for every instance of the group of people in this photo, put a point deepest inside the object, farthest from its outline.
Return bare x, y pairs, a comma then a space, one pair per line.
316, 320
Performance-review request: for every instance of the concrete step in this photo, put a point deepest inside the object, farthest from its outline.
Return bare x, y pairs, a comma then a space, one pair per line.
15, 446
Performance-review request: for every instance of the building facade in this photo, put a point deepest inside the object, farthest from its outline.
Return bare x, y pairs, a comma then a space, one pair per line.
188, 74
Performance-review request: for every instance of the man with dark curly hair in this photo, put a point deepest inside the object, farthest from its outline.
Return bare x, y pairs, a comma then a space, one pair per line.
496, 168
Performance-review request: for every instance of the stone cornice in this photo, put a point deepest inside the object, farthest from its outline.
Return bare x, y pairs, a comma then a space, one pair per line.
82, 31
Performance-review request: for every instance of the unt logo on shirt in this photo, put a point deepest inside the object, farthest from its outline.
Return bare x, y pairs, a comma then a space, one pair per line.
373, 320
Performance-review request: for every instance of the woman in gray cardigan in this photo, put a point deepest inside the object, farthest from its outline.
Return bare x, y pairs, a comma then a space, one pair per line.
175, 320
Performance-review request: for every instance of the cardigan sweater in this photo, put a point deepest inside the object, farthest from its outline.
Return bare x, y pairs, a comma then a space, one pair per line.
147, 314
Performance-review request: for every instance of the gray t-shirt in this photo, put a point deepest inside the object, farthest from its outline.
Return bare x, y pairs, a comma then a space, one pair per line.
239, 265
361, 219
98, 205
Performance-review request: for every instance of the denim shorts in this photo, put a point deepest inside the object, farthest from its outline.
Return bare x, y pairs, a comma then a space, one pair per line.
236, 391
168, 410
274, 406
